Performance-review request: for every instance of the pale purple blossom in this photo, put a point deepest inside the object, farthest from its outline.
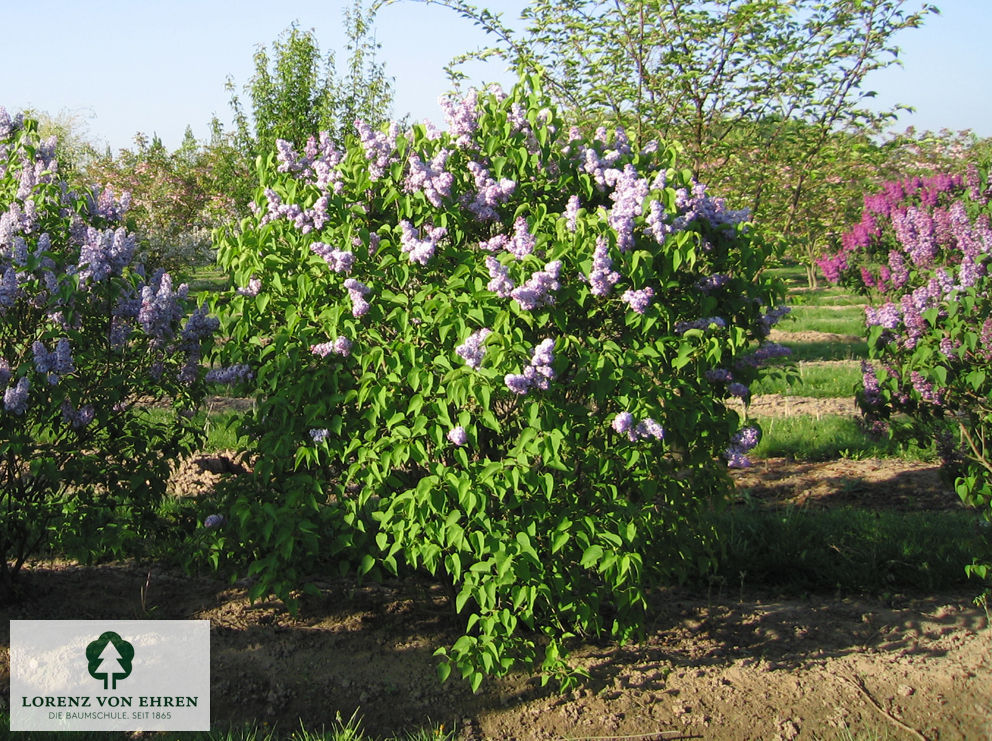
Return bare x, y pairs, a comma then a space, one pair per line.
418, 248
15, 400
357, 292
229, 375
458, 436
539, 288
252, 289
340, 261
319, 434
472, 350
501, 284
603, 277
213, 522
572, 212
638, 300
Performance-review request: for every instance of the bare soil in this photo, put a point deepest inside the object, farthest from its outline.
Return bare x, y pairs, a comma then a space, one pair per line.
724, 665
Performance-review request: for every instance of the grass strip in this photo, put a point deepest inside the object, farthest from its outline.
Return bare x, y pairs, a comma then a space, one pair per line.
800, 549
830, 437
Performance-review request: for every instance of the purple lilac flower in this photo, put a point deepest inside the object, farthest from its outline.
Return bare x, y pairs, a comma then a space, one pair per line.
701, 323
603, 277
638, 300
230, 375
538, 374
77, 419
420, 250
771, 318
746, 439
489, 193
252, 289
340, 261
319, 435
213, 521
380, 147
572, 212
472, 350
887, 316
522, 243
63, 357
161, 307
462, 117
712, 282
357, 292
104, 254
430, 178
870, 382
628, 197
340, 346
719, 375
762, 354
458, 436
15, 400
948, 346
625, 424
985, 339
497, 243
539, 288
501, 284
924, 388
738, 389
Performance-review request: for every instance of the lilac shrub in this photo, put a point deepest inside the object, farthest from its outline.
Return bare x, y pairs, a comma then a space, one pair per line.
526, 408
88, 341
922, 252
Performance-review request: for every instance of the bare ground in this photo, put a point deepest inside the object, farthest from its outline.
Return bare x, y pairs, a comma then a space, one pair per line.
732, 664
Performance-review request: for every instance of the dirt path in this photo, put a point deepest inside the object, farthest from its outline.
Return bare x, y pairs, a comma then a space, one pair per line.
730, 666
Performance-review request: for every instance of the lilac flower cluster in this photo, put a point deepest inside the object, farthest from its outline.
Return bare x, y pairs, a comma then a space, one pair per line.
702, 323
104, 254
105, 205
539, 289
77, 418
379, 146
712, 283
697, 204
638, 300
318, 165
764, 352
772, 317
340, 261
489, 193
56, 363
745, 440
357, 291
230, 375
212, 522
418, 249
624, 424
161, 307
628, 196
462, 117
869, 380
572, 212
603, 277
198, 328
500, 282
340, 346
472, 350
430, 178
319, 434
522, 243
15, 399
252, 289
457, 436
538, 374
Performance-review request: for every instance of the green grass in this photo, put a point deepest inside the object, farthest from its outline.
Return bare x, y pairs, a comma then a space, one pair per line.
827, 438
339, 730
826, 297
849, 549
219, 426
819, 381
834, 350
848, 320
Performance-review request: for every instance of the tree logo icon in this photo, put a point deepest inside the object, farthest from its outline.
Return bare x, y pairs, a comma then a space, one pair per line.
109, 658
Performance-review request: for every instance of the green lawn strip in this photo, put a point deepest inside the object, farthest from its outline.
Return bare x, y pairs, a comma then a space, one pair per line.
819, 380
825, 297
849, 320
219, 426
826, 350
848, 549
829, 437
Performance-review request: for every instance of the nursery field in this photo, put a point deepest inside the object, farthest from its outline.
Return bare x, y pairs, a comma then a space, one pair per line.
840, 610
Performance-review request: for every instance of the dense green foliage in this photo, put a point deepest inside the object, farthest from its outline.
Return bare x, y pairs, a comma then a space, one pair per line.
85, 334
488, 353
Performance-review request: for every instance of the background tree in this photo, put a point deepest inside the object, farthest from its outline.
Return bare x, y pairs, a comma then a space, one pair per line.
757, 91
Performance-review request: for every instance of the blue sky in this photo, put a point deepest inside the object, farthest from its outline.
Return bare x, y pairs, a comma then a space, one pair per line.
123, 66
